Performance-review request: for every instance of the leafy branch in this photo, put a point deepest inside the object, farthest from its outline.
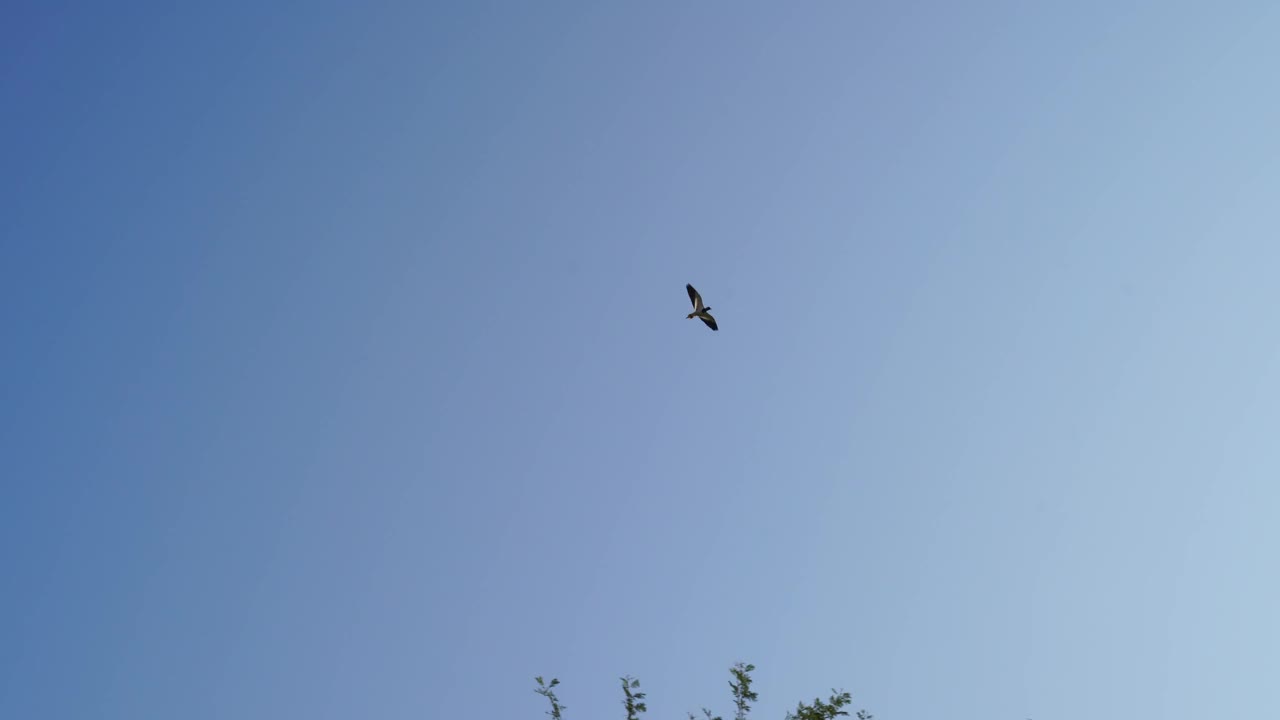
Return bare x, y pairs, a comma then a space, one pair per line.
547, 690
632, 700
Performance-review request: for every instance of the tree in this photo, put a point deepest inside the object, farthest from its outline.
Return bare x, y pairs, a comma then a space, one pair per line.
633, 701
548, 692
743, 696
742, 693
829, 710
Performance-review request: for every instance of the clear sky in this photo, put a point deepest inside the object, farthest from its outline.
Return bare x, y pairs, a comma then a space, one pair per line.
345, 371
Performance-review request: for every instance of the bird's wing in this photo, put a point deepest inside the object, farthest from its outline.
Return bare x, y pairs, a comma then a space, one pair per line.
710, 321
694, 297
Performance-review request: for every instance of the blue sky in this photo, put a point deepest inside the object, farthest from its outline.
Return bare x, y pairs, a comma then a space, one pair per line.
346, 371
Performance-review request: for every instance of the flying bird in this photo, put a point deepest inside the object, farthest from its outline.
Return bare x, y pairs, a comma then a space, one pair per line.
700, 312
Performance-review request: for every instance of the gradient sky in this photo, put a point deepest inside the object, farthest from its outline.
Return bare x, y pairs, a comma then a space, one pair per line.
345, 371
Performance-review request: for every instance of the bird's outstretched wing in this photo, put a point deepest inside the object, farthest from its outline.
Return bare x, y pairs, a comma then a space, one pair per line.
710, 321
694, 297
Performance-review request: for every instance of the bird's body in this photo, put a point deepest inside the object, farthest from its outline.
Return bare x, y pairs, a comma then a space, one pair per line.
700, 312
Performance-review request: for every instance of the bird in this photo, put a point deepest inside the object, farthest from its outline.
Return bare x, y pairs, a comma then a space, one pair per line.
700, 312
